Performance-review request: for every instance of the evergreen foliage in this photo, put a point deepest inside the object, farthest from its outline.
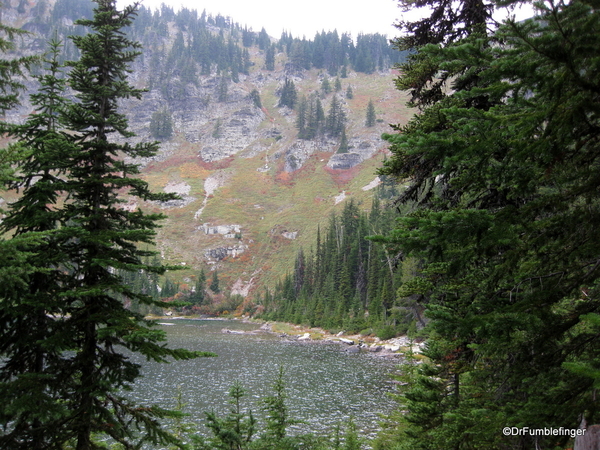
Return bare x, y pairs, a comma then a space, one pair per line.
255, 96
502, 215
343, 148
337, 84
370, 120
214, 284
310, 117
235, 431
161, 124
270, 58
62, 382
287, 94
345, 282
210, 45
336, 118
30, 279
325, 86
198, 297
11, 69
349, 93
239, 430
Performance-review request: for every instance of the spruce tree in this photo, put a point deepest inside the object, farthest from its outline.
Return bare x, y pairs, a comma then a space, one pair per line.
270, 58
288, 95
325, 86
370, 120
31, 388
349, 93
343, 148
336, 118
78, 372
161, 124
199, 295
502, 214
214, 284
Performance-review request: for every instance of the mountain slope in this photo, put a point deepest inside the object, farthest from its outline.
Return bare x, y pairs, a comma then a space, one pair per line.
251, 192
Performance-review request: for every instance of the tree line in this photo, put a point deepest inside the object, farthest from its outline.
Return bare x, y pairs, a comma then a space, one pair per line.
346, 281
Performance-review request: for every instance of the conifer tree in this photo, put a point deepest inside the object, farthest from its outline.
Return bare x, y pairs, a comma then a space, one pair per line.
370, 120
502, 213
343, 148
301, 118
336, 118
337, 84
288, 95
85, 323
33, 419
270, 58
199, 295
325, 86
161, 124
349, 93
214, 284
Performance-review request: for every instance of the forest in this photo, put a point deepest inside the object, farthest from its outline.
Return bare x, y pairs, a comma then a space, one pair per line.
495, 245
489, 251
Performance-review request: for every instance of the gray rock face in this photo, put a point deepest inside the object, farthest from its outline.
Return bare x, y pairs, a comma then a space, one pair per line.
220, 253
344, 160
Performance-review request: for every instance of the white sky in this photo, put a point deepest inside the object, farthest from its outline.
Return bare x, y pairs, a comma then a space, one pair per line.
300, 18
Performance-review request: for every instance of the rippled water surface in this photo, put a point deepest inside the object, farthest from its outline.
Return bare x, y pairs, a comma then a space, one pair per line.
324, 383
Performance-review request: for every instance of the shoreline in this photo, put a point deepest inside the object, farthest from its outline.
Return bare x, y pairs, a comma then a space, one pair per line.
396, 347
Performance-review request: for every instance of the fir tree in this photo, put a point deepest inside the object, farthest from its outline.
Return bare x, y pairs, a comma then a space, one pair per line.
336, 118
255, 97
325, 86
161, 124
337, 84
301, 118
86, 324
370, 120
505, 231
198, 297
214, 284
222, 90
343, 148
270, 58
288, 95
31, 278
349, 93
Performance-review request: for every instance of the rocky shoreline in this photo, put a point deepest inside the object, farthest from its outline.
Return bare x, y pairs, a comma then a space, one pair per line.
396, 347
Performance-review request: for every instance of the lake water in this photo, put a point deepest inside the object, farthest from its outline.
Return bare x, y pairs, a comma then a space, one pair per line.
324, 383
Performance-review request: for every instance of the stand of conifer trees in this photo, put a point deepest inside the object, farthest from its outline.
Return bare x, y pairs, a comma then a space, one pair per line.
346, 281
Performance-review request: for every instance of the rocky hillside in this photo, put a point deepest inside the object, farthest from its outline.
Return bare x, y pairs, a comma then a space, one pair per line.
251, 192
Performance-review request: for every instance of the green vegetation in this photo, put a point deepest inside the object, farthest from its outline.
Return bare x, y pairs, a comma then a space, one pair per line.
239, 430
501, 215
346, 282
64, 326
161, 124
371, 117
288, 95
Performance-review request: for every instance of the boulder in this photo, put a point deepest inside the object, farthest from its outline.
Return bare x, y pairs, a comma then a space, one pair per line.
304, 337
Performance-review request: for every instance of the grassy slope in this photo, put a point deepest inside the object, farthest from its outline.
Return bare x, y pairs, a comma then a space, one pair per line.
266, 204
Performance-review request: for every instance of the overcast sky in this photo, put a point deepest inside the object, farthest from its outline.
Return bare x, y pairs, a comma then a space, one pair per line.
300, 18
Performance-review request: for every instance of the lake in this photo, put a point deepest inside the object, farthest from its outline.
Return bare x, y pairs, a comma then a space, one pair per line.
324, 383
